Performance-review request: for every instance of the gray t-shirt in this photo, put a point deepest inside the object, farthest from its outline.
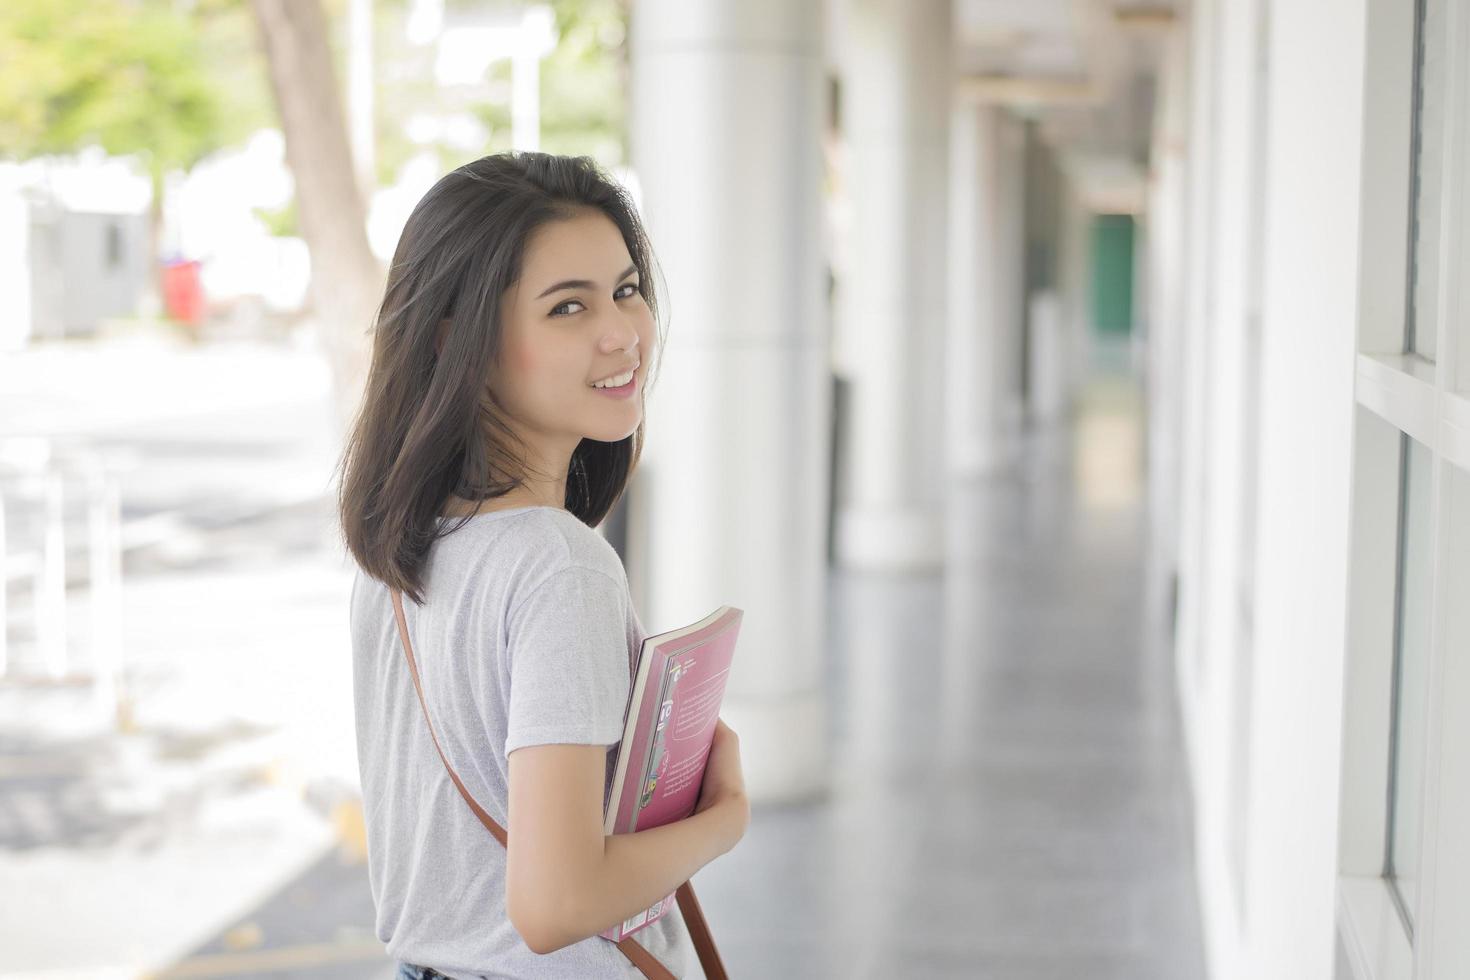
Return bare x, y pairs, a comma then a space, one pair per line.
527, 636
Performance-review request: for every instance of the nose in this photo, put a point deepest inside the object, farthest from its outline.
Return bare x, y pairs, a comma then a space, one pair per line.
622, 334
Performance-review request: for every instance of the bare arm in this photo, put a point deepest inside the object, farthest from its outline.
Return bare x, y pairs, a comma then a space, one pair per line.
566, 880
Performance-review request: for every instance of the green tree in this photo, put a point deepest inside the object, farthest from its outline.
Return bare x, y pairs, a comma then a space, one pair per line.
584, 81
135, 77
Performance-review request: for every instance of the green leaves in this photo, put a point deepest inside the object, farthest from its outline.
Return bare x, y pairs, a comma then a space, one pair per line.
130, 76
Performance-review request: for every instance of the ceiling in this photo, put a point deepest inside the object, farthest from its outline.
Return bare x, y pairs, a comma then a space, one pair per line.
1084, 69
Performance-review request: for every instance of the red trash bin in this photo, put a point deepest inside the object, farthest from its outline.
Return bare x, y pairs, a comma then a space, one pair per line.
183, 293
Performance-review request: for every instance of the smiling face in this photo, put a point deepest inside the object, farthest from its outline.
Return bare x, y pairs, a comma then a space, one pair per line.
575, 316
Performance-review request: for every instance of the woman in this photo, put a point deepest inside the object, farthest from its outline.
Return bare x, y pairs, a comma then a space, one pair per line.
502, 418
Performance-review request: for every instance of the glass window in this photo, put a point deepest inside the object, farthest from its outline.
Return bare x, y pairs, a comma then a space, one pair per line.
1410, 665
1425, 165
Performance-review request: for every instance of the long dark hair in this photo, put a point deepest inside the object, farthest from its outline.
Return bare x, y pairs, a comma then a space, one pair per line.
430, 424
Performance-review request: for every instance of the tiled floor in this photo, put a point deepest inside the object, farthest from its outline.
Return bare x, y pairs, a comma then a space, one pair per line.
1008, 798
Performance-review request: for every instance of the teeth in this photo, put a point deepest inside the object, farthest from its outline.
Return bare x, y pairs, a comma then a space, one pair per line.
617, 381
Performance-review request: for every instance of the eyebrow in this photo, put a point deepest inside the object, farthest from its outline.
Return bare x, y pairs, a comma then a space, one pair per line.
585, 283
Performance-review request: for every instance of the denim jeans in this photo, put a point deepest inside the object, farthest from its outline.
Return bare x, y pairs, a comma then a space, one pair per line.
407, 971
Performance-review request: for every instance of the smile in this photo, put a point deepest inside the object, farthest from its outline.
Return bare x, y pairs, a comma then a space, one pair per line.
622, 391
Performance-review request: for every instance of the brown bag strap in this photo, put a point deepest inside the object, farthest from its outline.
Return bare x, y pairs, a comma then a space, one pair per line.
646, 962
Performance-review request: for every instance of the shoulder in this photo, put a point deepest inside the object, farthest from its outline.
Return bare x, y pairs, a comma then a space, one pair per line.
558, 540
578, 543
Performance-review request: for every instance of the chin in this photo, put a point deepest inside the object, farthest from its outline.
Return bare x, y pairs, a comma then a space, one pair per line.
611, 433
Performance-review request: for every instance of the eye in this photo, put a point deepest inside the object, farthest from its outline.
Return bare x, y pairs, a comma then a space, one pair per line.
627, 285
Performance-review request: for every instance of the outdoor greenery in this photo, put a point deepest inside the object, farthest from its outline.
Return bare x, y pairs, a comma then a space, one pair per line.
145, 77
172, 82
583, 89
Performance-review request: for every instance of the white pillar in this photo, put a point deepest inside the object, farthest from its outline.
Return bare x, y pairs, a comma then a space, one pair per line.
897, 87
985, 242
1167, 243
1011, 269
1048, 356
732, 503
1074, 279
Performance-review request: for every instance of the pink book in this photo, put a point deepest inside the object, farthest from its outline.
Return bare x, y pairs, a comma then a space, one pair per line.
667, 730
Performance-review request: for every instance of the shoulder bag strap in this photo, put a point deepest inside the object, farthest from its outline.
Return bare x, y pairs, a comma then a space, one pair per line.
646, 962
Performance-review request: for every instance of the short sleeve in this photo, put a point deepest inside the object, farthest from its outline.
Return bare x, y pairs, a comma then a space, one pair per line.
568, 660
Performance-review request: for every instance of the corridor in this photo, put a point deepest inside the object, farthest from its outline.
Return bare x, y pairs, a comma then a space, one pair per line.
1008, 796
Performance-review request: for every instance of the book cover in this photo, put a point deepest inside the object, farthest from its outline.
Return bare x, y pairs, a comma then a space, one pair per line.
669, 725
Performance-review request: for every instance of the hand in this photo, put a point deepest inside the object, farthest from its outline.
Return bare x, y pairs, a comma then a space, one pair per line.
724, 782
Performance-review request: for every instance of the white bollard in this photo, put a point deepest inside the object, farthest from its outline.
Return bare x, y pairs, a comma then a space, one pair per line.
51, 580
104, 586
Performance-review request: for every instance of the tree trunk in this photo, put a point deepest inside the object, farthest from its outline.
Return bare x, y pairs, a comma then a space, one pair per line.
155, 244
346, 278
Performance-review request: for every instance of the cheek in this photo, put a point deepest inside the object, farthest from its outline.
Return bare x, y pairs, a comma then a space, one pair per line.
532, 369
522, 361
518, 360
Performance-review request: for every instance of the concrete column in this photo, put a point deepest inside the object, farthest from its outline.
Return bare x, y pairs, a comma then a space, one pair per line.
897, 87
1163, 330
1047, 358
1011, 270
1075, 278
732, 493
985, 239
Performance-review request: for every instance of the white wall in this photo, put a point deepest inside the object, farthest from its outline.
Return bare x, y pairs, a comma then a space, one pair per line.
1309, 326
1279, 922
1213, 649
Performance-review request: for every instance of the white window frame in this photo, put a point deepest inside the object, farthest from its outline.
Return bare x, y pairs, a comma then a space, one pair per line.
1398, 393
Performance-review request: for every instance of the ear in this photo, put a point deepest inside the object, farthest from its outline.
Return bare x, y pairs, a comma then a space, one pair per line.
439, 337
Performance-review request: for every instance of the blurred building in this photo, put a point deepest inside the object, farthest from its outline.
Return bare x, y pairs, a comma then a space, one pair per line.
73, 246
108, 252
